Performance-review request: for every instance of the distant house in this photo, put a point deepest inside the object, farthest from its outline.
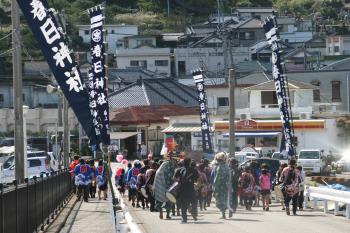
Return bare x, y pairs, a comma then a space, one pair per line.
146, 121
338, 45
120, 78
150, 92
330, 99
252, 12
141, 51
114, 33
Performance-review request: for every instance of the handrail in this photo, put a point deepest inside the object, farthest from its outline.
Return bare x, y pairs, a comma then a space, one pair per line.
328, 194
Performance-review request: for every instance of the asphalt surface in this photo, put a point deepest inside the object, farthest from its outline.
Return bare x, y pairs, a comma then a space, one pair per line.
257, 220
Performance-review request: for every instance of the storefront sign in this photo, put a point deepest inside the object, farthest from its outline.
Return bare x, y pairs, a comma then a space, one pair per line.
271, 32
205, 127
41, 20
246, 124
97, 80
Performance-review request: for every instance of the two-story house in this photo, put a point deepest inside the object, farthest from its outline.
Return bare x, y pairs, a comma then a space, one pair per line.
338, 45
142, 51
114, 33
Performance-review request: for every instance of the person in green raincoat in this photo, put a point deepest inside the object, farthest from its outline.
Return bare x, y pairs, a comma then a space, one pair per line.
221, 179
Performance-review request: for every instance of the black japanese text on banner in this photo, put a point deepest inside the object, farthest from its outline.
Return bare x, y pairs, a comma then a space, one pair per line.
97, 80
50, 38
271, 33
205, 127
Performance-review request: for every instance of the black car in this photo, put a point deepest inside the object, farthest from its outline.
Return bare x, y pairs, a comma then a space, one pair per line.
255, 164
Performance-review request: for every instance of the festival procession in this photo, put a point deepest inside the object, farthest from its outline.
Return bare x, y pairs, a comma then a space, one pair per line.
174, 116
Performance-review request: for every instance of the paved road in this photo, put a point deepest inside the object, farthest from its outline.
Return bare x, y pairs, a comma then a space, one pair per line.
255, 221
244, 222
90, 217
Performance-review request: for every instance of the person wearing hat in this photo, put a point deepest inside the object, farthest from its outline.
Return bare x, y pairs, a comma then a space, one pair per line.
221, 183
265, 186
162, 181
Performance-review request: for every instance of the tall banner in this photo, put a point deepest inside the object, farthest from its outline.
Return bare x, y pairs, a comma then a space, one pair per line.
49, 35
97, 78
205, 127
271, 32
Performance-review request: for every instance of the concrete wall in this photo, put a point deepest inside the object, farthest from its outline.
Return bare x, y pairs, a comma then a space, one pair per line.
241, 99
38, 120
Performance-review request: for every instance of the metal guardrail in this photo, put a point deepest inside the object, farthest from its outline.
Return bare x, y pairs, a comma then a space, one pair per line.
26, 207
326, 194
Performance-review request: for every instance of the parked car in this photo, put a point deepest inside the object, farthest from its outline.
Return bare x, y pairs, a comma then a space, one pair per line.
7, 142
343, 164
283, 158
313, 161
35, 167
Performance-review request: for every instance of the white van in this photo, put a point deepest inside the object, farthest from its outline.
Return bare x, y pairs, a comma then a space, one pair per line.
312, 161
35, 167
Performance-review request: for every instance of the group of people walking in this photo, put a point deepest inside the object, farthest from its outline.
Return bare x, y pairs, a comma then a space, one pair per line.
88, 177
178, 187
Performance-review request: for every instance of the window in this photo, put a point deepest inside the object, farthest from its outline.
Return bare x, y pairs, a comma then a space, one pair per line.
134, 63
161, 62
316, 93
24, 97
223, 101
336, 49
34, 163
139, 63
336, 91
143, 64
181, 65
86, 32
247, 35
269, 99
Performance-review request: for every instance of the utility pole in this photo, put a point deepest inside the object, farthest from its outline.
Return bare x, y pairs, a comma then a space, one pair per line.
66, 133
232, 85
224, 50
17, 93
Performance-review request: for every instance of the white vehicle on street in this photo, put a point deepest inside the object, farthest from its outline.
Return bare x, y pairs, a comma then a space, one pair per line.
282, 157
35, 167
313, 161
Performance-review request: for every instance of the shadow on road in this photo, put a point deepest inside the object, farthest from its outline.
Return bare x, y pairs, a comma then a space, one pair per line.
243, 220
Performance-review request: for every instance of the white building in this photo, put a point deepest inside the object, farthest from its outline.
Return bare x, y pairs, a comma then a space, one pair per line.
338, 45
114, 34
208, 58
258, 120
141, 51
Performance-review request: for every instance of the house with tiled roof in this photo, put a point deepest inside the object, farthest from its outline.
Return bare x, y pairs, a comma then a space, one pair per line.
137, 125
150, 92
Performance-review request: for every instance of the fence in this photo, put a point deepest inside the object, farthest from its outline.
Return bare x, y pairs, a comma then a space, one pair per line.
26, 207
327, 194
